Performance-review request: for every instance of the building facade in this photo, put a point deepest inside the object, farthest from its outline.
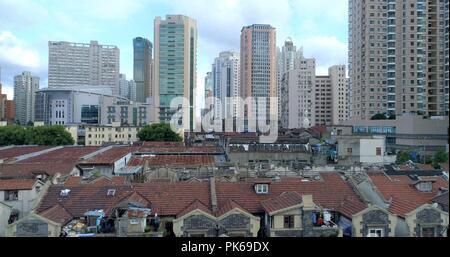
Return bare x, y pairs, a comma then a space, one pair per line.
142, 68
127, 88
258, 69
225, 78
25, 87
175, 67
78, 64
396, 56
111, 134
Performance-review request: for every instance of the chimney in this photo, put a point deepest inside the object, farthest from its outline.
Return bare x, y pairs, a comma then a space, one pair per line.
212, 187
308, 203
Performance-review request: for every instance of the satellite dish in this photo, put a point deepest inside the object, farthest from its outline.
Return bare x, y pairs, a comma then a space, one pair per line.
435, 205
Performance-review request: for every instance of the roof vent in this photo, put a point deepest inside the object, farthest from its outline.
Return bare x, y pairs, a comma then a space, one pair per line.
65, 192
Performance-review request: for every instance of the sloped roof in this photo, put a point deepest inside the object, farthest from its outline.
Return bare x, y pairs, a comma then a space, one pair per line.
229, 206
173, 160
17, 184
283, 201
58, 214
196, 205
351, 206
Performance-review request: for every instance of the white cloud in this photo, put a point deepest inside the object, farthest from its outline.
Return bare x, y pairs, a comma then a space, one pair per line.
328, 51
14, 51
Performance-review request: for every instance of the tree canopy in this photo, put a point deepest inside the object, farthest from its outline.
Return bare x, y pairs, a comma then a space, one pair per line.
379, 116
44, 135
158, 132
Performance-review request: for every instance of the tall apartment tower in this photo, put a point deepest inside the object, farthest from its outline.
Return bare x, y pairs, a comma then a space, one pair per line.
258, 68
142, 68
297, 94
127, 88
396, 56
25, 87
175, 67
446, 55
225, 77
77, 64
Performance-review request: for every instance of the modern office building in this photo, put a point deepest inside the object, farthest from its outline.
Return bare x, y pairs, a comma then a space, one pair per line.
175, 68
78, 64
25, 87
396, 56
258, 69
142, 68
209, 90
225, 77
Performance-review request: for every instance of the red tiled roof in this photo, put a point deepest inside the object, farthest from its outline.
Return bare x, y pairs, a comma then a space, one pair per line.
72, 181
183, 149
17, 184
444, 166
196, 205
169, 199
21, 150
83, 198
228, 206
442, 199
136, 214
283, 201
58, 214
173, 160
162, 144
403, 192
25, 170
351, 206
105, 181
328, 193
110, 156
63, 155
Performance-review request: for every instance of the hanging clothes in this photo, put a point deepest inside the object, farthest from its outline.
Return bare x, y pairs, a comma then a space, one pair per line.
327, 217
314, 218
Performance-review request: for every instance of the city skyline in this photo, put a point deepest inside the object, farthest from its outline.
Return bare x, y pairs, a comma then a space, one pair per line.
126, 20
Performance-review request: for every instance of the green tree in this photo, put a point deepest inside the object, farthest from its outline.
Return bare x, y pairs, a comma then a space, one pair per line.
403, 157
379, 116
158, 132
45, 135
440, 156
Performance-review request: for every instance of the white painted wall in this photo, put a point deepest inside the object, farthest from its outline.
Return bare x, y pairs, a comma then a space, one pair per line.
368, 150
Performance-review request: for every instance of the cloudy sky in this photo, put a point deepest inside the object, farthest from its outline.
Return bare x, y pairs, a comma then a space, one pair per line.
26, 26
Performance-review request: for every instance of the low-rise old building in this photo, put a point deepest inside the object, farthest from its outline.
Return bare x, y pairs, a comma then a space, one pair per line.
363, 149
21, 194
115, 134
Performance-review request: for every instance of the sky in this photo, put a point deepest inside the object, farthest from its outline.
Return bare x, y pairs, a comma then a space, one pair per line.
26, 26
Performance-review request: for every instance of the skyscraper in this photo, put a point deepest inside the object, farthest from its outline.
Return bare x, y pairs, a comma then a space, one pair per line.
142, 68
226, 69
175, 67
396, 56
258, 68
127, 88
209, 90
25, 87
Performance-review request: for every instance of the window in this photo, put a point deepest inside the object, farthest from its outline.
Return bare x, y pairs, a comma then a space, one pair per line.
428, 232
12, 195
378, 151
111, 192
349, 150
376, 232
262, 188
289, 221
134, 221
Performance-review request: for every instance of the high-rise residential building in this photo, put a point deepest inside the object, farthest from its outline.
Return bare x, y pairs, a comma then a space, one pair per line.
396, 56
127, 88
25, 87
78, 64
289, 58
297, 94
225, 76
142, 68
209, 91
446, 55
175, 67
258, 69
3, 98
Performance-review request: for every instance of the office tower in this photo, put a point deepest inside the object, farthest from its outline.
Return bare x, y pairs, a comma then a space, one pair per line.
124, 87
25, 87
142, 68
258, 69
77, 64
396, 56
175, 65
226, 78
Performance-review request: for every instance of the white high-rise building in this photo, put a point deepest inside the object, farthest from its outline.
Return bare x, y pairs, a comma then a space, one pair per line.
225, 78
25, 87
127, 88
78, 64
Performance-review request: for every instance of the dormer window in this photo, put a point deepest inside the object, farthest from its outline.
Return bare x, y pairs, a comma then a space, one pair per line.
65, 192
262, 189
424, 186
111, 192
